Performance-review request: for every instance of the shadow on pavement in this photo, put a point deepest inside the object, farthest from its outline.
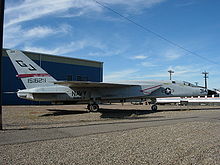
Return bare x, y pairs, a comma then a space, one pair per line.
60, 112
137, 114
105, 113
126, 114
122, 113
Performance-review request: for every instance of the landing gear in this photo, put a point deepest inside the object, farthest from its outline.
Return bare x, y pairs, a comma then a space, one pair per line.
154, 108
93, 107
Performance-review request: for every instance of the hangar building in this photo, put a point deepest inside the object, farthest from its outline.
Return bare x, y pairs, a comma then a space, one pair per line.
61, 68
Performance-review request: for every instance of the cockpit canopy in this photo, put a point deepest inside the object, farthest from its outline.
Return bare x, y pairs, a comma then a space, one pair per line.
188, 84
184, 83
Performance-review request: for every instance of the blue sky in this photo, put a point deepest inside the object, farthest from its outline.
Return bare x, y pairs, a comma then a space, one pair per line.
84, 29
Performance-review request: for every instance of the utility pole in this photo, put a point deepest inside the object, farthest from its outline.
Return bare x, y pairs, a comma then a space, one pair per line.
205, 77
171, 72
2, 7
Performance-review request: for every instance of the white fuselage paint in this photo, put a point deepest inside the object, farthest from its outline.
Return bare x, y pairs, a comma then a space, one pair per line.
58, 93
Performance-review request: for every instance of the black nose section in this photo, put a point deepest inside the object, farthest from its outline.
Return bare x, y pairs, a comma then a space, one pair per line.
211, 92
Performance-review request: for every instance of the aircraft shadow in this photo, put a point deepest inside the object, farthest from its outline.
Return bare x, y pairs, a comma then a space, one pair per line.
126, 114
105, 113
61, 112
138, 114
121, 113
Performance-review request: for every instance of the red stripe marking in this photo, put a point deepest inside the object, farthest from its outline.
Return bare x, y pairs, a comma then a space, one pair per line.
33, 75
145, 90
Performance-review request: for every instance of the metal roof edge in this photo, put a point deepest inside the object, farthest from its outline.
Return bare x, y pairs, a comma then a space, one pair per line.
90, 62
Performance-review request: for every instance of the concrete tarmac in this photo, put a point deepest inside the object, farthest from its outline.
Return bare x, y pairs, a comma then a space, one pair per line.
42, 124
127, 119
41, 134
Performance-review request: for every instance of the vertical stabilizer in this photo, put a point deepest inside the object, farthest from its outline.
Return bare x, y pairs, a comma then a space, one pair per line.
30, 73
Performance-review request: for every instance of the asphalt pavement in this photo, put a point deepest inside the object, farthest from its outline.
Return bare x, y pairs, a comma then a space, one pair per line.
116, 135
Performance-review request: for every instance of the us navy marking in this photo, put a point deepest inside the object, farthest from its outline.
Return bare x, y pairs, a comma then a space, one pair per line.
79, 93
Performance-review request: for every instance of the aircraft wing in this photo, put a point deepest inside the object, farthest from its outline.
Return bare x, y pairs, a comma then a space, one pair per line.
88, 84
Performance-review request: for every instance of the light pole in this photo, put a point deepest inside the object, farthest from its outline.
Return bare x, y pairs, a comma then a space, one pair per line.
2, 6
205, 77
171, 72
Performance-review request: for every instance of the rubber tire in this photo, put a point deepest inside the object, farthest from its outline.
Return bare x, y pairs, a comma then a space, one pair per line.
88, 106
154, 108
93, 107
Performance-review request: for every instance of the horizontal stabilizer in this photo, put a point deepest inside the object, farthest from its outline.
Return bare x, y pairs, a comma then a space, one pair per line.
9, 92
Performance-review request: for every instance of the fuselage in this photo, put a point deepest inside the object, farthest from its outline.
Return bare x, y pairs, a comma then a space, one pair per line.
139, 90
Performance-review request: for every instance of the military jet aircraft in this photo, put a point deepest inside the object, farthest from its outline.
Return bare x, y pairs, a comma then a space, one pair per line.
41, 86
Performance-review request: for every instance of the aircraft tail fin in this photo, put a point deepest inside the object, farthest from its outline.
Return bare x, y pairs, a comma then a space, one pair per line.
30, 73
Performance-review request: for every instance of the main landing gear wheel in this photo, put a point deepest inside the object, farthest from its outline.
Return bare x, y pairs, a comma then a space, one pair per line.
154, 108
93, 107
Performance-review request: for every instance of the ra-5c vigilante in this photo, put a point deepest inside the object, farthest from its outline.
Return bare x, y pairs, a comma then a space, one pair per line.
41, 86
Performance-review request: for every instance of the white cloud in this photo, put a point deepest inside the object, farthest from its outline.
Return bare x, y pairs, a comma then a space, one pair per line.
104, 52
29, 10
66, 48
181, 72
172, 54
120, 75
134, 5
40, 50
155, 75
186, 3
39, 31
12, 36
187, 72
62, 49
16, 35
139, 57
75, 14
148, 64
